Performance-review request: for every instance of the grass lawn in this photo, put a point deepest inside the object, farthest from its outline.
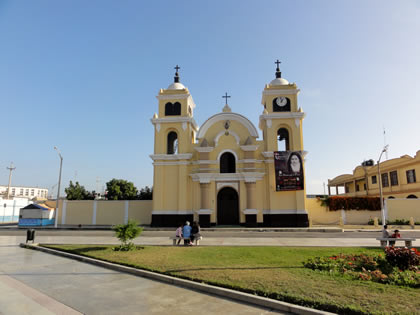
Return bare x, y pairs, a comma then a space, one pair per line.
275, 272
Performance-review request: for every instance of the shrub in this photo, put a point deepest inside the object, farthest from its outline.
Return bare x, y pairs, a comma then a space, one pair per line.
126, 233
403, 258
352, 203
373, 268
401, 222
406, 278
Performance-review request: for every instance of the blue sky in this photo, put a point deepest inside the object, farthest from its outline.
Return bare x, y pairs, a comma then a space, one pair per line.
83, 75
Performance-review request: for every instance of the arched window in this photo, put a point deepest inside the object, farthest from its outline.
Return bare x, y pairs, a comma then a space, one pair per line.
227, 163
172, 143
172, 109
411, 197
281, 104
391, 197
283, 140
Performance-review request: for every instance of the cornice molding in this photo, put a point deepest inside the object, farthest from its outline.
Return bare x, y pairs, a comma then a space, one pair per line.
286, 211
157, 212
171, 157
250, 211
211, 177
249, 147
172, 163
204, 149
280, 92
167, 120
283, 115
204, 211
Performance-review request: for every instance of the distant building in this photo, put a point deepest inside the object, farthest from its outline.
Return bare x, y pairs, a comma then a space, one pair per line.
10, 208
398, 179
24, 192
36, 215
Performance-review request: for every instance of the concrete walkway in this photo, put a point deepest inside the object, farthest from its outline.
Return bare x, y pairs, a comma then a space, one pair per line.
357, 241
32, 282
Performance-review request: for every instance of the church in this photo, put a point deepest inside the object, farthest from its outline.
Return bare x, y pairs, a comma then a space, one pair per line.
221, 173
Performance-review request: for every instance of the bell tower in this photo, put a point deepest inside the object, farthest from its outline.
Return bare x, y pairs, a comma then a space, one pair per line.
175, 131
175, 127
281, 125
281, 120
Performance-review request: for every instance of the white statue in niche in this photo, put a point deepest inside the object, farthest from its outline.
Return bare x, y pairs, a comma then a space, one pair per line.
176, 146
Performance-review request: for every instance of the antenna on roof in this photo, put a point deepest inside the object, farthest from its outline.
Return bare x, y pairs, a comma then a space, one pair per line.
386, 152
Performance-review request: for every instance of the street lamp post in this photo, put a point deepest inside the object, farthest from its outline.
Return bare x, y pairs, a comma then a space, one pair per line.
380, 185
58, 190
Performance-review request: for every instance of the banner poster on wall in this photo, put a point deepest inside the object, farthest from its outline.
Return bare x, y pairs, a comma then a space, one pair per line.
289, 170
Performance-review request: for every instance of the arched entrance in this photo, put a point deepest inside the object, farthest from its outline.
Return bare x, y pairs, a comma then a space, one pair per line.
227, 207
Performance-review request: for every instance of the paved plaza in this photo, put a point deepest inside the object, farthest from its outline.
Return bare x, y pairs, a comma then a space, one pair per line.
33, 282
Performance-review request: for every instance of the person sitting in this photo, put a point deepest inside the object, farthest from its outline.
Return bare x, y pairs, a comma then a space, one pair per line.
186, 232
385, 233
178, 233
195, 231
396, 234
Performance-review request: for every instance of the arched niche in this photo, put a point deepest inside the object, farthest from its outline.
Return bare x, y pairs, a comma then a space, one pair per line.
172, 143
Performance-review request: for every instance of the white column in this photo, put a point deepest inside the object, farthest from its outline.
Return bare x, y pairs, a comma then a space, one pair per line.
95, 205
343, 216
13, 212
126, 212
63, 214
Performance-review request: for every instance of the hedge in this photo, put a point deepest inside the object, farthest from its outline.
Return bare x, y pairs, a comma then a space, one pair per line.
335, 203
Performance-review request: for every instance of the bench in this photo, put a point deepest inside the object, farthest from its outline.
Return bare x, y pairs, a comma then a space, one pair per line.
408, 241
175, 239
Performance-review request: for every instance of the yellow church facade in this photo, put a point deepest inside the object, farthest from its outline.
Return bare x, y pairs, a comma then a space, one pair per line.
221, 173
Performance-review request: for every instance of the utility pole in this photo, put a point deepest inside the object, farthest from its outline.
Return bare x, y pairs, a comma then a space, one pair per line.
380, 185
58, 190
98, 185
11, 169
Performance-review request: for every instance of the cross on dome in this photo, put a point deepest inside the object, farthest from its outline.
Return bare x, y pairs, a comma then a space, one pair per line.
278, 73
226, 96
176, 78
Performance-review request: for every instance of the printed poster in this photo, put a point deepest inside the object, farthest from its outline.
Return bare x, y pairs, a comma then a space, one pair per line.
289, 170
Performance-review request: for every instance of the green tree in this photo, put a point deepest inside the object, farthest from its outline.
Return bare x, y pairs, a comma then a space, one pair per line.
126, 233
145, 193
119, 189
78, 192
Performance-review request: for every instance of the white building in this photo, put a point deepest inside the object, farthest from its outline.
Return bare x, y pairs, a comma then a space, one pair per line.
24, 192
10, 208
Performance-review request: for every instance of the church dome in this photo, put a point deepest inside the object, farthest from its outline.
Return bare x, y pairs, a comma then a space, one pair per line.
176, 86
279, 81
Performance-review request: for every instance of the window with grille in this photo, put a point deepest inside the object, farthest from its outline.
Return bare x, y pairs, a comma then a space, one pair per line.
385, 181
394, 178
411, 176
374, 179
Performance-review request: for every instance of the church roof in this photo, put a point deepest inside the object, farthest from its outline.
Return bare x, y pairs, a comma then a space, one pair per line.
227, 116
176, 86
279, 81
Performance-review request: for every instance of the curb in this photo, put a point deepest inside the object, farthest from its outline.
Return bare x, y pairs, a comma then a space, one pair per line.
206, 288
212, 229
